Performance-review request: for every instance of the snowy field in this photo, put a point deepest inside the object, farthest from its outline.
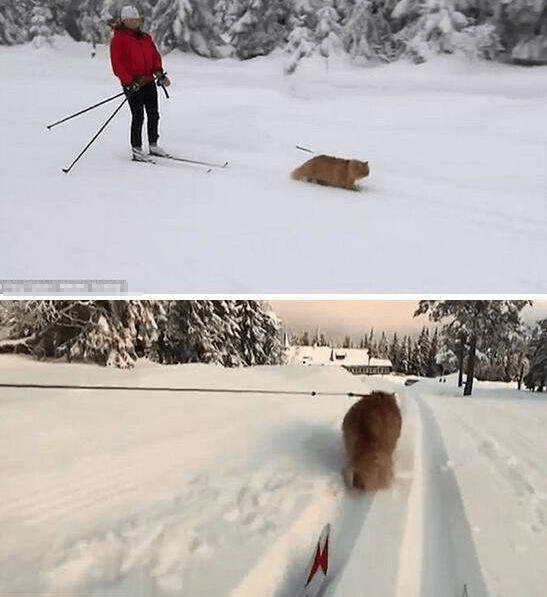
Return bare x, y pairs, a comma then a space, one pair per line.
455, 200
157, 494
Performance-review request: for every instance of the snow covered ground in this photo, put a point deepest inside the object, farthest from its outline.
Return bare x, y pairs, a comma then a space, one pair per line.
157, 494
455, 200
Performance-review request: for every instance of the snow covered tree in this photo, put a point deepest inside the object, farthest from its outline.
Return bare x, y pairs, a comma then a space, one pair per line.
537, 376
300, 44
260, 334
259, 28
480, 321
226, 13
41, 26
404, 357
408, 357
368, 32
228, 333
444, 26
422, 352
105, 332
382, 348
190, 335
394, 353
432, 367
303, 339
87, 20
414, 360
188, 25
446, 360
119, 332
13, 22
522, 26
328, 32
322, 340
505, 359
450, 354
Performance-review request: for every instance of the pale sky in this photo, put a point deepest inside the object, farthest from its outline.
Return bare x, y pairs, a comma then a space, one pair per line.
336, 318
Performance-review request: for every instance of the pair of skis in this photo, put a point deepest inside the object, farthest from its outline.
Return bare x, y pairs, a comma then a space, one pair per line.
209, 165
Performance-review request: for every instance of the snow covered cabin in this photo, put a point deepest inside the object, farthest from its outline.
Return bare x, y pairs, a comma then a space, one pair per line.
356, 360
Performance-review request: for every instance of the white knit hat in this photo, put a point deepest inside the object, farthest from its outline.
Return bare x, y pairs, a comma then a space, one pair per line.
129, 12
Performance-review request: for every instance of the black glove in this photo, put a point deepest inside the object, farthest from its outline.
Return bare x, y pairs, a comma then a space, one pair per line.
161, 79
134, 86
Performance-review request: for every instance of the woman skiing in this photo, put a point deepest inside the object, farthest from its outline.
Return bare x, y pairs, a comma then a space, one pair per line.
136, 61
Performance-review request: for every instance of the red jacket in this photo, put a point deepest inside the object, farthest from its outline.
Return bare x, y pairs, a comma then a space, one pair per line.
134, 55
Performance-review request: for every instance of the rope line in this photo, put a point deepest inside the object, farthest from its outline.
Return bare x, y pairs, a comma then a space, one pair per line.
170, 389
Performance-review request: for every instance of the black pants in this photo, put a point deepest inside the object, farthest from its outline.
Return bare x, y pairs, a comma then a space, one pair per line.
145, 98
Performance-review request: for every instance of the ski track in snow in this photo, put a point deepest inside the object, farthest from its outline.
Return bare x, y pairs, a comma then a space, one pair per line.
244, 520
498, 453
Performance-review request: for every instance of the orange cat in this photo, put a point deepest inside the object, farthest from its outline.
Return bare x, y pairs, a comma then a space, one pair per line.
370, 432
335, 172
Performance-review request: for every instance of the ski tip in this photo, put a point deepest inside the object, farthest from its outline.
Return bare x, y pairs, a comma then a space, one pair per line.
319, 564
65, 170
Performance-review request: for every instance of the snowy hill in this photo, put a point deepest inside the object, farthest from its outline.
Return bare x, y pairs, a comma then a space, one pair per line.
111, 493
455, 198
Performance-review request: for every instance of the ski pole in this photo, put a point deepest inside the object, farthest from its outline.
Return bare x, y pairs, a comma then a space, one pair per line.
165, 91
50, 126
67, 170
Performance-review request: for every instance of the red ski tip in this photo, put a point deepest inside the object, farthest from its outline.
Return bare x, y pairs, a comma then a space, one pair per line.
321, 560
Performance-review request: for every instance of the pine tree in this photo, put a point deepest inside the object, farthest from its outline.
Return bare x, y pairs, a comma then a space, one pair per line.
522, 27
537, 376
190, 334
432, 367
328, 32
300, 44
368, 32
259, 336
228, 333
382, 348
13, 22
394, 354
444, 26
446, 360
260, 27
188, 25
422, 352
414, 362
482, 322
105, 332
404, 366
41, 25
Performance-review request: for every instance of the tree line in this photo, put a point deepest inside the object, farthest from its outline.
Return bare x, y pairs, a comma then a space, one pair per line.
486, 340
378, 30
118, 332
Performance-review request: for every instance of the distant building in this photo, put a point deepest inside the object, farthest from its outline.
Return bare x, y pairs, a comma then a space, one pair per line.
356, 360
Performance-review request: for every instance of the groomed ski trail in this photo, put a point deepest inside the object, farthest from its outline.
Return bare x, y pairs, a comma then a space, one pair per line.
244, 518
449, 558
497, 448
413, 540
365, 540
